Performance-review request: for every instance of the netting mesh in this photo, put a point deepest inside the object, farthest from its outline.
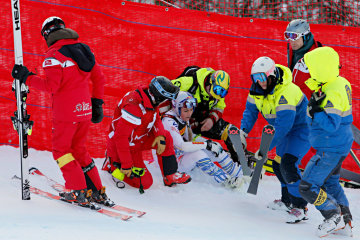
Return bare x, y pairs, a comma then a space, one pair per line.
341, 12
134, 42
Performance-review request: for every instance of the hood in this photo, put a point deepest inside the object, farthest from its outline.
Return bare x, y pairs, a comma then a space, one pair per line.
323, 64
65, 33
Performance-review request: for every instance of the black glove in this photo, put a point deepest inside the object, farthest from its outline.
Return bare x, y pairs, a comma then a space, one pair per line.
214, 147
20, 72
314, 103
97, 110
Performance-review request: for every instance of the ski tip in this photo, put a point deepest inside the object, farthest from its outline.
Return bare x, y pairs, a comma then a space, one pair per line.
140, 214
32, 170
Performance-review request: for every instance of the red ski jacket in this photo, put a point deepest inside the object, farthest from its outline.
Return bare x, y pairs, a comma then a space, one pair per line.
301, 72
134, 121
68, 66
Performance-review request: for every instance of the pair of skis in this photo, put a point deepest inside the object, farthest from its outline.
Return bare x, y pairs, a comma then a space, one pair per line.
266, 138
116, 211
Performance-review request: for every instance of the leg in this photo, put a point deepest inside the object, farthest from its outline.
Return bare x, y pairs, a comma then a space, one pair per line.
82, 155
62, 136
220, 132
230, 167
318, 171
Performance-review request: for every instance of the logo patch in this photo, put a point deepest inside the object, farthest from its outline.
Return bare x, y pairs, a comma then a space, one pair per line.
47, 62
283, 100
177, 83
329, 104
348, 92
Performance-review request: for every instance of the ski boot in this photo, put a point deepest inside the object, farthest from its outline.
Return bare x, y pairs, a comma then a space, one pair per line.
176, 178
79, 197
100, 197
297, 215
277, 204
329, 225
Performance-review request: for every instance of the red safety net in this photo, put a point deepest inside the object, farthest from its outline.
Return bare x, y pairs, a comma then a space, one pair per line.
134, 42
345, 12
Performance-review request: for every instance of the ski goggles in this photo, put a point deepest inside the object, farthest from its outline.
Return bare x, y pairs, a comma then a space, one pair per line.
293, 36
189, 103
220, 91
261, 77
164, 93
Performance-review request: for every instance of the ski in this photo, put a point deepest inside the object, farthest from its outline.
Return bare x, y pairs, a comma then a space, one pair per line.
51, 196
266, 138
234, 135
61, 188
21, 120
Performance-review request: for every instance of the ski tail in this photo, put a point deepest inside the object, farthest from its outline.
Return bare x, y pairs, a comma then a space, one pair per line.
266, 138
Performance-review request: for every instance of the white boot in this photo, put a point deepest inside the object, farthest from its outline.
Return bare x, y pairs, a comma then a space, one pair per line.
277, 204
297, 215
329, 225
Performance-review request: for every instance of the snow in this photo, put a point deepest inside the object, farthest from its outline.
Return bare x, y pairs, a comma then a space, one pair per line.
198, 210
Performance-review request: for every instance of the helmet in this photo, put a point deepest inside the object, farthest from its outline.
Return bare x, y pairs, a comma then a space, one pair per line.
220, 82
184, 99
161, 89
296, 28
262, 68
50, 25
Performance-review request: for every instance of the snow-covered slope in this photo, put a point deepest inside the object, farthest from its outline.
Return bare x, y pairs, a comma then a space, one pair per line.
198, 210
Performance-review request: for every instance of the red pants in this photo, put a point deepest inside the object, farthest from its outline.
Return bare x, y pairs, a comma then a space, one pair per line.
136, 154
69, 150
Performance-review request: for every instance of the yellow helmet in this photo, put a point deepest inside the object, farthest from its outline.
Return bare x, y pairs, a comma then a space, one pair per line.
220, 83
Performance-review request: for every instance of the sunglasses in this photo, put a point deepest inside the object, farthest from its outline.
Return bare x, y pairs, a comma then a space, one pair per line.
292, 36
261, 77
220, 91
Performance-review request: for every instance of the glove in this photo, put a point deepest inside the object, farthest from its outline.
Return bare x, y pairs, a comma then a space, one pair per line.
20, 72
258, 155
243, 136
159, 141
314, 103
214, 147
97, 110
126, 171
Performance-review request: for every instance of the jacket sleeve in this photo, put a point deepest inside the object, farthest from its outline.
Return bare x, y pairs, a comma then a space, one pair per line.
124, 127
217, 111
179, 143
53, 76
158, 126
98, 81
283, 124
250, 115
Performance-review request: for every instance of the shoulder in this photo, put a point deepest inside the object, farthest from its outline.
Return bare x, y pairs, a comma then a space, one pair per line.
184, 83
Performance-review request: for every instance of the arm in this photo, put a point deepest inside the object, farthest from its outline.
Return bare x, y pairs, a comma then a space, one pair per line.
179, 143
250, 115
98, 81
53, 76
123, 128
217, 111
283, 124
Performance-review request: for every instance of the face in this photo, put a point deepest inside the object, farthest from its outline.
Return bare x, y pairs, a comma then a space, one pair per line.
263, 85
186, 114
297, 44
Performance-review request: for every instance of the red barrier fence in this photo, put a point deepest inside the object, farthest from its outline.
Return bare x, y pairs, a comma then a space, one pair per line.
134, 42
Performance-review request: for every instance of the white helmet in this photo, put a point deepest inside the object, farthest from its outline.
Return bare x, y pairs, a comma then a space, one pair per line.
183, 99
51, 24
262, 68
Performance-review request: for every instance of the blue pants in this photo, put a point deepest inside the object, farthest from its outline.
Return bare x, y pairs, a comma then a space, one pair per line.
291, 150
323, 171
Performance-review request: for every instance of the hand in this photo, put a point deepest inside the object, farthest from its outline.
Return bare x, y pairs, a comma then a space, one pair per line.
20, 72
159, 141
243, 136
314, 103
207, 124
97, 110
214, 147
126, 171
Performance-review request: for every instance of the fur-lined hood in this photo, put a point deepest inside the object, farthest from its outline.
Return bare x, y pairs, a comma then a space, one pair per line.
65, 33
